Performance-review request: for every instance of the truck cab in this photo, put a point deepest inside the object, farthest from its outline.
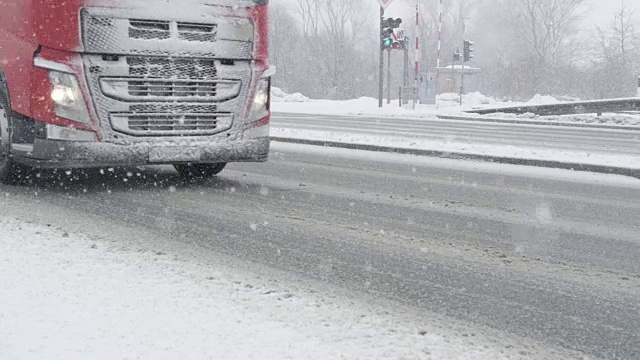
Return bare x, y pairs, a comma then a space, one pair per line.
95, 83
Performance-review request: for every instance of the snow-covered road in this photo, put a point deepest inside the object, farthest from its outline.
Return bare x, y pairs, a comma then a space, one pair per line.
322, 253
620, 148
73, 296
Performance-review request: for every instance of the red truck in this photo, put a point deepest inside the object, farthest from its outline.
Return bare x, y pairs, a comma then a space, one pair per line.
96, 83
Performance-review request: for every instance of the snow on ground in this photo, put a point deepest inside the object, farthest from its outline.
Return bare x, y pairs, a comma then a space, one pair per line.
451, 145
448, 104
277, 95
70, 296
609, 119
542, 100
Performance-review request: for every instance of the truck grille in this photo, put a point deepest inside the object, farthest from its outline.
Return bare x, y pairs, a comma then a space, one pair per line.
162, 67
187, 34
179, 108
182, 74
149, 29
161, 30
140, 89
197, 32
170, 124
172, 89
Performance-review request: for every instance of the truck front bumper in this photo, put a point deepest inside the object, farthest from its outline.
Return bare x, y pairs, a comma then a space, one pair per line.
71, 154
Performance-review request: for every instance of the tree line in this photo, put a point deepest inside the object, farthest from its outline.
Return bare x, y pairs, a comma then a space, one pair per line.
329, 48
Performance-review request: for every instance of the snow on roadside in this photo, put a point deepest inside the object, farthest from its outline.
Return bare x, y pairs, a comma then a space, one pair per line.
609, 119
471, 100
66, 296
542, 100
448, 104
277, 95
454, 146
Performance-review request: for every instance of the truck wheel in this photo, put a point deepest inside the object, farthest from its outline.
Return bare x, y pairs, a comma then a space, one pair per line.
8, 168
199, 171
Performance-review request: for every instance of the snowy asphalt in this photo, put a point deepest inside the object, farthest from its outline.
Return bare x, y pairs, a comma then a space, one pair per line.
547, 254
553, 137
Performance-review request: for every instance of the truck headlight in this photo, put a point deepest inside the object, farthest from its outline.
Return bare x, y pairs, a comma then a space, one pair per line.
67, 97
261, 100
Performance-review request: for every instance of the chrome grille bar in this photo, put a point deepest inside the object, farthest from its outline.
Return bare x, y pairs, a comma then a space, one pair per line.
171, 124
141, 89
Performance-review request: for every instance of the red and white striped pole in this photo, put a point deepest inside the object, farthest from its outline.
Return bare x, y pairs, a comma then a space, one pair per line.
438, 63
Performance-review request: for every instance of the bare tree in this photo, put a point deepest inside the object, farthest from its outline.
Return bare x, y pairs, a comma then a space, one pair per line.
529, 46
285, 39
617, 52
343, 22
309, 11
619, 39
329, 48
545, 27
318, 48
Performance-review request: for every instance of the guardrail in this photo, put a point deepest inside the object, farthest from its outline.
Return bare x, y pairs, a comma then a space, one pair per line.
569, 108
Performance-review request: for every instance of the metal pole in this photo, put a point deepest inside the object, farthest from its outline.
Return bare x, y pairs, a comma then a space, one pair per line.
417, 58
389, 77
381, 67
405, 79
461, 75
438, 64
462, 81
462, 59
453, 74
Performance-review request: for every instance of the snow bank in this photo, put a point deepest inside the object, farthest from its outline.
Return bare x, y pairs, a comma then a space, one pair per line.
277, 95
617, 119
369, 106
542, 100
470, 100
365, 106
608, 119
448, 103
67, 296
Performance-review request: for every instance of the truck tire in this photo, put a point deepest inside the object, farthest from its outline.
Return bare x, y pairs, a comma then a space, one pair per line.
9, 170
199, 171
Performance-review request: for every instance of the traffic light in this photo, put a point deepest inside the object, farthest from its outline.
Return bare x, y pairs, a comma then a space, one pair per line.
392, 23
387, 36
456, 55
390, 36
468, 49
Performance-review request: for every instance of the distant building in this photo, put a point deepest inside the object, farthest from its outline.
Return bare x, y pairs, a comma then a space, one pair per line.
450, 78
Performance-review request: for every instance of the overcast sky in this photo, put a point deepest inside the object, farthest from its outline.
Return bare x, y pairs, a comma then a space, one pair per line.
597, 11
602, 10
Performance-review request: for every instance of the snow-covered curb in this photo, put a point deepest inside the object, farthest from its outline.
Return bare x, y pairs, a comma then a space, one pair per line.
66, 296
588, 123
587, 119
450, 146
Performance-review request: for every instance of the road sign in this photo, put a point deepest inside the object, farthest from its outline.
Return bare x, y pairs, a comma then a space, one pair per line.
384, 3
